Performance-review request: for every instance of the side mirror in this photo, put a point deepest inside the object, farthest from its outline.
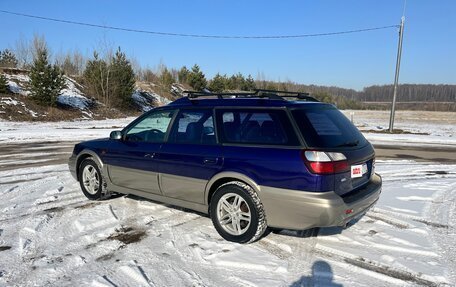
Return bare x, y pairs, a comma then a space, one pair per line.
115, 135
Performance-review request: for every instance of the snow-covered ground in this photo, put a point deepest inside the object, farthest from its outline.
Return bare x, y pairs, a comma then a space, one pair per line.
436, 128
79, 130
70, 96
146, 100
422, 127
51, 235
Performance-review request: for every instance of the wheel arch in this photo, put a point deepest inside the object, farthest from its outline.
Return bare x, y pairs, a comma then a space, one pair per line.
224, 177
87, 153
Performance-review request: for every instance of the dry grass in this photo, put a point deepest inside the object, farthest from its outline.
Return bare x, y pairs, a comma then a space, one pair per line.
28, 110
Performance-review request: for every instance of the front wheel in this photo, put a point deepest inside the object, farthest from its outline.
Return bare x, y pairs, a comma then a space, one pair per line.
91, 179
237, 213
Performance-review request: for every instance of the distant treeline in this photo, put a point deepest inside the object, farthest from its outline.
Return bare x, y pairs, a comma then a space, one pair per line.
409, 96
96, 73
409, 93
384, 93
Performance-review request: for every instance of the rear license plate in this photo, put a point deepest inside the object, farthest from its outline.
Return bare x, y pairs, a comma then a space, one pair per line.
358, 170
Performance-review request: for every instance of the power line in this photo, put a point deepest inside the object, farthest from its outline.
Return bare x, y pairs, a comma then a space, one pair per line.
196, 35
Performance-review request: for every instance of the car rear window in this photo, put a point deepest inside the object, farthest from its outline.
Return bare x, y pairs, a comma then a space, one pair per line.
326, 127
255, 126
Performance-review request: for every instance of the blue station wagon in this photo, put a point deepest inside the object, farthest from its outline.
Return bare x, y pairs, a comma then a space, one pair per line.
251, 160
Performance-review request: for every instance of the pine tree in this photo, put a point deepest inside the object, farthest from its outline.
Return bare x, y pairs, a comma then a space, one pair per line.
149, 76
111, 83
182, 75
96, 79
271, 86
3, 84
249, 84
196, 79
69, 67
240, 81
46, 80
231, 83
166, 79
123, 80
8, 59
323, 97
217, 84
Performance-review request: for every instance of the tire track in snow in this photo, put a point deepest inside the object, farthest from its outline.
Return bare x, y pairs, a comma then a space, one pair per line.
444, 208
298, 253
181, 247
378, 267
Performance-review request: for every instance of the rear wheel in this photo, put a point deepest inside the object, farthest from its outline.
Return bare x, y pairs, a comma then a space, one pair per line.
237, 213
91, 180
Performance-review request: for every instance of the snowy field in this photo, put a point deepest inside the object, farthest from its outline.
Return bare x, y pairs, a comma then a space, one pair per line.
51, 235
423, 128
20, 132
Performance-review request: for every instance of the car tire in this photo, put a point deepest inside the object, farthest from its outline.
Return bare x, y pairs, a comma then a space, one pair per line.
91, 180
237, 213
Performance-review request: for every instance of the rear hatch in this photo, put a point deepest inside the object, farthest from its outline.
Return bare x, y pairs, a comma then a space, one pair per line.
327, 131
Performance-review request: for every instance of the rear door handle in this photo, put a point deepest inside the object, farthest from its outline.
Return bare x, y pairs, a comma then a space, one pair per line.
210, 160
149, 155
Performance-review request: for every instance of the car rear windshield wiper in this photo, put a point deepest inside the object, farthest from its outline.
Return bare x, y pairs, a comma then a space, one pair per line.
352, 143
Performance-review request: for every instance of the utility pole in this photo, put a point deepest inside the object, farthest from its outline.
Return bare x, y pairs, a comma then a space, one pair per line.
396, 77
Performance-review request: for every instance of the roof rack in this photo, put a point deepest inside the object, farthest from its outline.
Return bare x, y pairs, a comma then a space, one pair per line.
258, 93
195, 94
287, 94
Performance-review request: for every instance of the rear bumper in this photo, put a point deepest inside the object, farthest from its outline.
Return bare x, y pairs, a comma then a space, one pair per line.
299, 210
72, 166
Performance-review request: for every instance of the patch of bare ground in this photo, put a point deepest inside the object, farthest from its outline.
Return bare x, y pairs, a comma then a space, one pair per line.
128, 235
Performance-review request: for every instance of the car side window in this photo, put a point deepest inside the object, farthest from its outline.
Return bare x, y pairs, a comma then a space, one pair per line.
194, 127
151, 128
264, 127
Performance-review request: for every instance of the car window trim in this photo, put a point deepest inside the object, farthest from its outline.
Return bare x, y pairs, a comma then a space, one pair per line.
147, 114
128, 127
296, 129
174, 122
301, 143
301, 136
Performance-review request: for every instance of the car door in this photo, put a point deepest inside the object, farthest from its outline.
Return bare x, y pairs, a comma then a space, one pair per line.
131, 161
191, 156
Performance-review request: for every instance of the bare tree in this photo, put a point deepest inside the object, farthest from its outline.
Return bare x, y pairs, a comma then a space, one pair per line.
136, 66
97, 73
39, 44
23, 52
79, 61
72, 63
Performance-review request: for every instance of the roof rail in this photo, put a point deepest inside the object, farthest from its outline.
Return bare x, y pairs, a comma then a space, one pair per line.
288, 94
258, 93
196, 94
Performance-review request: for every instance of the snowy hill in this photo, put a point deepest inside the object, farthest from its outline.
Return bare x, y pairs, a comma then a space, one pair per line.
146, 98
72, 98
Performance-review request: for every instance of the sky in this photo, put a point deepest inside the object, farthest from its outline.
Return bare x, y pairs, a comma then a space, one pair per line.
349, 60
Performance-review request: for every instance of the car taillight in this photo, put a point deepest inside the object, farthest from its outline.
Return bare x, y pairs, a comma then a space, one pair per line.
320, 162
